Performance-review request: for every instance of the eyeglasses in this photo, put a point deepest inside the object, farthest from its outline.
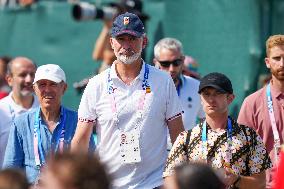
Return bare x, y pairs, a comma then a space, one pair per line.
167, 64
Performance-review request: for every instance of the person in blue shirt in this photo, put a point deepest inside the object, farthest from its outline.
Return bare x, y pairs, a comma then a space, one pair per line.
45, 130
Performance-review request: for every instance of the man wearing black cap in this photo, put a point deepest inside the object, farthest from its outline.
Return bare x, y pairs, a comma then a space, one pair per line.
131, 104
234, 150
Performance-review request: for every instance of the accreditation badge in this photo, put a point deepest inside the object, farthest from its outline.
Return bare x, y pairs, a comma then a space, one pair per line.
129, 146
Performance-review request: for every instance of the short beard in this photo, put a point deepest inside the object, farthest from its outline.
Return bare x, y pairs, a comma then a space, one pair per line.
26, 93
128, 59
277, 75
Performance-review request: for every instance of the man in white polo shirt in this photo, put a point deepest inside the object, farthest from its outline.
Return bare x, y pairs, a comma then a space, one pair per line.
132, 105
20, 76
169, 57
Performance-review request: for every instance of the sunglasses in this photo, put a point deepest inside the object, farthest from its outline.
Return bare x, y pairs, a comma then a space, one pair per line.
167, 64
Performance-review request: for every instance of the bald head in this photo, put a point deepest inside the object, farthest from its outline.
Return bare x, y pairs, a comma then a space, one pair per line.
20, 76
18, 62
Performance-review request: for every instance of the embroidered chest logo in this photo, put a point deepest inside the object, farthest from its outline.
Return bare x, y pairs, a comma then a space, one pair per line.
125, 20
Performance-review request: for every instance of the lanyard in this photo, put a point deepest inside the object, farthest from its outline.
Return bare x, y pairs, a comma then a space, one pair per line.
59, 138
273, 122
178, 89
145, 87
12, 112
179, 85
204, 139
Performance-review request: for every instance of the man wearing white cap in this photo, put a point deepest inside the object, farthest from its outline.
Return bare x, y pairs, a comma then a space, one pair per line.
45, 130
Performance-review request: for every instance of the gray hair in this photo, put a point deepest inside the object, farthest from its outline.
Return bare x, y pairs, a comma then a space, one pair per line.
167, 43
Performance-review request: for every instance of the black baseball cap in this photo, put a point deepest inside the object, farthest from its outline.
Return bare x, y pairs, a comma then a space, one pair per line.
127, 23
216, 80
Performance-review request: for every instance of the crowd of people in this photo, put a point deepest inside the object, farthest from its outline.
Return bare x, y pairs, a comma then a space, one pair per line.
156, 127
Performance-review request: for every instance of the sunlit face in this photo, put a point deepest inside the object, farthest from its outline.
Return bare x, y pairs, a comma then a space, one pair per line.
128, 48
174, 69
49, 93
215, 102
21, 78
275, 62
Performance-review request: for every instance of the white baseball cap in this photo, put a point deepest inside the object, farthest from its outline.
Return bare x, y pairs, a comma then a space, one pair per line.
50, 72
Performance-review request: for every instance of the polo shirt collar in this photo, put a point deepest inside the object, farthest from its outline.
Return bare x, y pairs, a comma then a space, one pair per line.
277, 93
113, 74
60, 117
181, 79
18, 108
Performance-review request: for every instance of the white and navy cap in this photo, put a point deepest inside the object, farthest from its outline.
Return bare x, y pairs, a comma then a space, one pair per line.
50, 72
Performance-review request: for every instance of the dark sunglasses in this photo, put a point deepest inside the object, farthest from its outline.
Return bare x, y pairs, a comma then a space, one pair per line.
167, 64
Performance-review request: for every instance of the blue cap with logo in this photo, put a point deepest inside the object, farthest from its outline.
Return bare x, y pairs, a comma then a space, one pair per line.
127, 23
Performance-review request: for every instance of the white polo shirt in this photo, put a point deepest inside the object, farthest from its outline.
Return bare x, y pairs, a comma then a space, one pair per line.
161, 104
190, 100
8, 111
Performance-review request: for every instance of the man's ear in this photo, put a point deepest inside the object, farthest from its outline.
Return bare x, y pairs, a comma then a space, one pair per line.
145, 42
267, 62
156, 63
110, 42
9, 79
230, 97
65, 87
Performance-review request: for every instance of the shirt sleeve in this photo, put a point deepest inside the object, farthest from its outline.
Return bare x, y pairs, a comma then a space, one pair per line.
86, 111
14, 154
259, 158
173, 108
177, 155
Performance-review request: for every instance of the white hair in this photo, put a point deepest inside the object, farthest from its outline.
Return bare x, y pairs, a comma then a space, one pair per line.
167, 43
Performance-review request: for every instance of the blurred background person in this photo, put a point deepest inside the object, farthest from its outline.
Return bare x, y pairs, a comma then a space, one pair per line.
196, 175
13, 179
102, 49
190, 67
15, 3
20, 76
74, 171
4, 87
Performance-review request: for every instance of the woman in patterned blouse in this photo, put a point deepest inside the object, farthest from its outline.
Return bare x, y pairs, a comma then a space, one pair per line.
219, 141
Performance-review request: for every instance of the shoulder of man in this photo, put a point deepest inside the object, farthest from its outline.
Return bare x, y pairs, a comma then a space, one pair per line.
157, 72
25, 121
69, 110
257, 95
4, 102
249, 132
191, 79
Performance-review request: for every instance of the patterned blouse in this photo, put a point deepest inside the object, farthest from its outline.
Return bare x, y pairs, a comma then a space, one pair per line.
246, 155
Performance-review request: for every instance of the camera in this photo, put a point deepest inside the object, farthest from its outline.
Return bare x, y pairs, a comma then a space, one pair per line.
87, 11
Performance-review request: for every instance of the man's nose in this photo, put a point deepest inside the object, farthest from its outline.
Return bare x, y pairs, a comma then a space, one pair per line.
172, 67
281, 62
29, 78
